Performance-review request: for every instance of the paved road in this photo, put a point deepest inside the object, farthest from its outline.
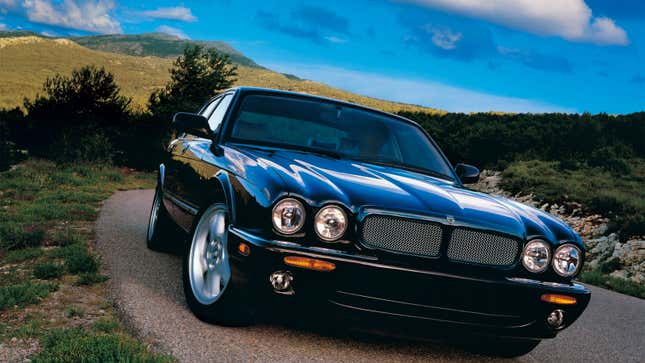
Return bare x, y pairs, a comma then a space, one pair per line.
147, 287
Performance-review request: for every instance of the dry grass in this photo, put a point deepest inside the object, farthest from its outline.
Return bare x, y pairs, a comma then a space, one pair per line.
28, 61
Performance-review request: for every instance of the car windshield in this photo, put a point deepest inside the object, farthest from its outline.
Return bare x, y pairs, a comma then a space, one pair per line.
336, 129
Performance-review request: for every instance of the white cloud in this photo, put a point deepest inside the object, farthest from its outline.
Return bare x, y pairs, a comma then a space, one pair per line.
333, 39
427, 93
172, 13
569, 19
92, 16
172, 31
6, 6
3, 26
443, 38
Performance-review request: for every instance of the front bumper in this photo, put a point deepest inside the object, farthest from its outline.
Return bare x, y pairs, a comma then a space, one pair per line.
361, 286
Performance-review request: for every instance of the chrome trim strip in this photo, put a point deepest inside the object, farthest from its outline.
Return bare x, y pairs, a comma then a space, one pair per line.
181, 204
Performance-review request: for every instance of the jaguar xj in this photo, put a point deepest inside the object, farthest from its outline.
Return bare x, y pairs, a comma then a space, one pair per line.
317, 202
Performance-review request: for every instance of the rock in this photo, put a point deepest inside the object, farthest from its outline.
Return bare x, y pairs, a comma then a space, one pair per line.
600, 230
621, 274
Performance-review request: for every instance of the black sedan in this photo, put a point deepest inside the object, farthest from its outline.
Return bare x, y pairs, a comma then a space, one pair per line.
316, 201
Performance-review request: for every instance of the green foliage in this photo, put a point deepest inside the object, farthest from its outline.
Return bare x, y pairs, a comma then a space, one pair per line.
598, 278
14, 236
90, 278
79, 345
610, 265
196, 75
600, 191
488, 140
25, 293
23, 255
48, 270
68, 236
105, 325
81, 261
79, 118
74, 311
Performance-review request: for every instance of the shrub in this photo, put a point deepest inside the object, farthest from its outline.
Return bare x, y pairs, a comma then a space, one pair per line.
80, 260
14, 237
67, 237
48, 270
80, 117
90, 278
79, 345
72, 311
105, 325
23, 255
25, 293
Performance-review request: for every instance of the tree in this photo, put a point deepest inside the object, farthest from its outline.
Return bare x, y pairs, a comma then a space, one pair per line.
80, 116
196, 76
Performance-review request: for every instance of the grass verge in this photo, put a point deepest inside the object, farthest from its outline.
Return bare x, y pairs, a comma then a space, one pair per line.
46, 246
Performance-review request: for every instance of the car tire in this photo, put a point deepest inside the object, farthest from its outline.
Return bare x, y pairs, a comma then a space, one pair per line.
506, 348
212, 293
161, 229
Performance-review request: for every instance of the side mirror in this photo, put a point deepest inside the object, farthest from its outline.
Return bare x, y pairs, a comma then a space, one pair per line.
192, 124
467, 173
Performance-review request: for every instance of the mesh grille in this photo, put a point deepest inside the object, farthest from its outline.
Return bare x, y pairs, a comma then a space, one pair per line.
402, 235
482, 248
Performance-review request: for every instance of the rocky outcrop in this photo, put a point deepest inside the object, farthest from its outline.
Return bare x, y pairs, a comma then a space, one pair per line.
604, 249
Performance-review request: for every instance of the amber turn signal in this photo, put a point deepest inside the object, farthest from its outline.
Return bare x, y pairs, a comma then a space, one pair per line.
244, 249
309, 263
558, 299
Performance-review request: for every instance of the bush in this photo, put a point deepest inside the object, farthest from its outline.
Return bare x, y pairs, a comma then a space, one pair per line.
23, 255
48, 270
91, 278
80, 260
25, 293
14, 237
79, 345
80, 117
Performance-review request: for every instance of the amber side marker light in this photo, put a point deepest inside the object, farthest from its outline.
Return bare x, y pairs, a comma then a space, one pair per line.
309, 263
558, 299
244, 249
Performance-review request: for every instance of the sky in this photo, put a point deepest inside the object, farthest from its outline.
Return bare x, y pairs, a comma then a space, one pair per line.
456, 55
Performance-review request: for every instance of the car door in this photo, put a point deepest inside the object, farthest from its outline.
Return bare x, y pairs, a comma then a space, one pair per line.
180, 177
185, 177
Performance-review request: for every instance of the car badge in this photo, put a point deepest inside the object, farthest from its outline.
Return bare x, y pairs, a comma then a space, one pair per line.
450, 219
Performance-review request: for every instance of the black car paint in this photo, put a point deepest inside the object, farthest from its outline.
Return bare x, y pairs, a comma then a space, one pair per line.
251, 178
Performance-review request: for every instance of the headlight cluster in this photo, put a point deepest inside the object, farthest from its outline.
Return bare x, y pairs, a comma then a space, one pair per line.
566, 260
330, 223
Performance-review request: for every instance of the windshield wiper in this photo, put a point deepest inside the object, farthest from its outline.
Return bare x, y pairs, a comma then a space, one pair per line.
401, 165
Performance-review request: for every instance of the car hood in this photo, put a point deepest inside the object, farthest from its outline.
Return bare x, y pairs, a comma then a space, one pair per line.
359, 186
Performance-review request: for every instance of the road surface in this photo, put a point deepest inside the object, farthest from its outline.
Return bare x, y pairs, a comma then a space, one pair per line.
147, 288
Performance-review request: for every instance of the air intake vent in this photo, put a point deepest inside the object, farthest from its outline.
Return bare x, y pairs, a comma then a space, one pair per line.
402, 235
482, 248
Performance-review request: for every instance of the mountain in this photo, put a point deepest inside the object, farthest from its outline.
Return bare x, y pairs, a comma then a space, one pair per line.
158, 45
27, 61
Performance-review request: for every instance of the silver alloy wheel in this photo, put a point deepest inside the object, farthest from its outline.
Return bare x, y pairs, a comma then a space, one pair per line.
208, 267
154, 215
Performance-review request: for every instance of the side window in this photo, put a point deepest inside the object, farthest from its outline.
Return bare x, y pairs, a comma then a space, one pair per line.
209, 109
218, 115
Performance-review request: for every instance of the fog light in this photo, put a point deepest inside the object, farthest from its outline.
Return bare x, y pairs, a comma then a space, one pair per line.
244, 249
556, 319
282, 282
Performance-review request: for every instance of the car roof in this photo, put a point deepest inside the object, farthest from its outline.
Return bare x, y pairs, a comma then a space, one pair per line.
246, 89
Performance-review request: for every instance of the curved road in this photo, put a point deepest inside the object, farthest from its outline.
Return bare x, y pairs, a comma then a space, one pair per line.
147, 288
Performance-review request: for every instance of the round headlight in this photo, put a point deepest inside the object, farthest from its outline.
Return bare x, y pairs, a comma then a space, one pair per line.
330, 223
288, 216
567, 260
536, 256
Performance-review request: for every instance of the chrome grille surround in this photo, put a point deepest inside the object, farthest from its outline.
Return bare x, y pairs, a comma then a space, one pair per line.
484, 248
402, 235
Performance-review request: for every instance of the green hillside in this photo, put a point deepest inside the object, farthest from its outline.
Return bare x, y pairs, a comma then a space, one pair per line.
158, 45
28, 60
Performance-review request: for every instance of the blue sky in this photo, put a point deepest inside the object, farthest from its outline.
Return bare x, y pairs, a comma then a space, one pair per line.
458, 55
